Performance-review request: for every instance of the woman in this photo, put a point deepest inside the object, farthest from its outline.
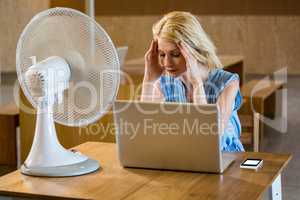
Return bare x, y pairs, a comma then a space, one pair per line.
181, 65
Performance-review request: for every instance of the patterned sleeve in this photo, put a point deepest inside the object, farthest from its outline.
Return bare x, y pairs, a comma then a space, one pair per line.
219, 81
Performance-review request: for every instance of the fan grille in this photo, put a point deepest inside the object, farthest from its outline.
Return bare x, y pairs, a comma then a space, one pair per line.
90, 54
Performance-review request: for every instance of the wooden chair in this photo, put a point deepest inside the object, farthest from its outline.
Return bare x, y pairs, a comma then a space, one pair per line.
250, 131
9, 122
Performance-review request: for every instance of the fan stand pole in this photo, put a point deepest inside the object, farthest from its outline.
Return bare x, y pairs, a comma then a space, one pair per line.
47, 156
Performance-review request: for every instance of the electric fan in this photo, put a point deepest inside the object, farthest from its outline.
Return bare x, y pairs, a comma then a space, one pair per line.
68, 68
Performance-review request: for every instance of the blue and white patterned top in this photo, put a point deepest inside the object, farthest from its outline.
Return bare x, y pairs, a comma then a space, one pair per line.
174, 90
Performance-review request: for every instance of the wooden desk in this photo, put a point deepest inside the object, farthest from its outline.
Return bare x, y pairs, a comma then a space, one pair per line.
233, 63
9, 121
115, 182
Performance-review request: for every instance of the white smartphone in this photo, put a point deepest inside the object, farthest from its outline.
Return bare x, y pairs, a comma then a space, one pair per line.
251, 163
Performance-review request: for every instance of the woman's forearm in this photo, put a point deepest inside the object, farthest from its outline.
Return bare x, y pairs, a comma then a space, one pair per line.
147, 90
199, 96
225, 102
151, 91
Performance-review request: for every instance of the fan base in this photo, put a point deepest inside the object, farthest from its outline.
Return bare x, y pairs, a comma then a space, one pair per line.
77, 169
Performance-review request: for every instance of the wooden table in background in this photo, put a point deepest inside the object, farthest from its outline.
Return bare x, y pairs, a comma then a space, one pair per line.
9, 121
232, 63
115, 182
260, 96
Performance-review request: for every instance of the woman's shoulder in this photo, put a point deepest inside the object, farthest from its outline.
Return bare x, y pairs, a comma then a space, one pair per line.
221, 77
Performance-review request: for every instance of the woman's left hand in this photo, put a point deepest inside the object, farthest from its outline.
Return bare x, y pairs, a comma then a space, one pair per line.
193, 73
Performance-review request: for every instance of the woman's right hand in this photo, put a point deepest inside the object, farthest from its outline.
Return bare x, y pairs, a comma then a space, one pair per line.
152, 68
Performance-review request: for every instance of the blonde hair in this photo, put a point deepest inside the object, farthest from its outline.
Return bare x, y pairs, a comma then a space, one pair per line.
184, 27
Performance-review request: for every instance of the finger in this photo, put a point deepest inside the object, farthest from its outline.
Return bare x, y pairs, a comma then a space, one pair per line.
151, 46
183, 50
186, 49
155, 46
148, 53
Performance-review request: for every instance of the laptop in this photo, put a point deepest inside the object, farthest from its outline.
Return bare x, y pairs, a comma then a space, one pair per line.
172, 136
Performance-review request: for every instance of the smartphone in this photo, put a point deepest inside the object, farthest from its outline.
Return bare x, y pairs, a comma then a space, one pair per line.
251, 163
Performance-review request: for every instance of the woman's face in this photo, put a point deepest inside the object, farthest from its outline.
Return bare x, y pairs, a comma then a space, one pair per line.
170, 57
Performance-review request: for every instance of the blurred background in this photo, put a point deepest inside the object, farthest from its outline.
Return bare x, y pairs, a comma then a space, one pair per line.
265, 32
